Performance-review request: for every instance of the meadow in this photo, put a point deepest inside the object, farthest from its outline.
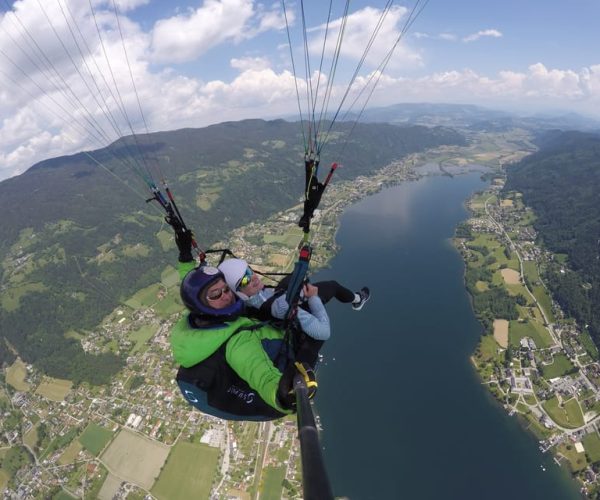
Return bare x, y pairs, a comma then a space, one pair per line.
188, 473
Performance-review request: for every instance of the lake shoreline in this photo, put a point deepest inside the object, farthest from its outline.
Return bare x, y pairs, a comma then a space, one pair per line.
415, 221
489, 267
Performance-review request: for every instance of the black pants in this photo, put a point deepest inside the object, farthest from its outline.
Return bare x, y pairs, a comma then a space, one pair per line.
327, 290
307, 348
330, 289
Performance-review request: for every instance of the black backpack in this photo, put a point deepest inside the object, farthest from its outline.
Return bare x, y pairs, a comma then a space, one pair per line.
225, 389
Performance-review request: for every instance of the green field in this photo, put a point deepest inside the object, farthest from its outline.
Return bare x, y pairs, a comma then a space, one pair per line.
94, 438
562, 258
528, 219
16, 374
11, 298
515, 290
59, 442
4, 478
26, 239
188, 473
480, 199
488, 348
245, 435
170, 304
4, 475
569, 415
54, 389
74, 334
532, 329
137, 250
589, 345
141, 336
531, 271
289, 239
145, 297
513, 262
165, 238
533, 425
497, 279
485, 240
70, 454
539, 292
272, 483
577, 461
574, 412
541, 295
63, 495
591, 443
169, 277
210, 194
31, 437
561, 366
141, 218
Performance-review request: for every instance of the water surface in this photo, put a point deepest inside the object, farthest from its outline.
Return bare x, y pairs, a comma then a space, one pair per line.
404, 413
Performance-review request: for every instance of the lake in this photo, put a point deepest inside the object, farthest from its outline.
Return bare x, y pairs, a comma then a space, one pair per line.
404, 413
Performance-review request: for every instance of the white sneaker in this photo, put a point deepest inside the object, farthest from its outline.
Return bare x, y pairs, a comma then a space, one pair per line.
364, 295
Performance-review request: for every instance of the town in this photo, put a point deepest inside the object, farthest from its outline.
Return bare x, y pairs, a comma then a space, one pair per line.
541, 365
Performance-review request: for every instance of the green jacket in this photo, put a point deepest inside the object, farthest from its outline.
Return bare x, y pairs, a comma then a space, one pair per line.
244, 352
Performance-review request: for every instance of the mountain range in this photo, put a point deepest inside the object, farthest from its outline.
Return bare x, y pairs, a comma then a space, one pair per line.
79, 238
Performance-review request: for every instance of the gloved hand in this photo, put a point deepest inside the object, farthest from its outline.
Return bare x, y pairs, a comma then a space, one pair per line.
285, 393
183, 238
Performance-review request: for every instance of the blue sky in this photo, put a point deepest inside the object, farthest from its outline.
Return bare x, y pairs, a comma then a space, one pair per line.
197, 62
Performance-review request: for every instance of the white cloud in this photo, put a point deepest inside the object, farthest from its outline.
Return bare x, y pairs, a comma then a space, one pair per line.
129, 5
537, 87
590, 80
187, 36
273, 19
30, 132
450, 37
484, 33
250, 63
360, 26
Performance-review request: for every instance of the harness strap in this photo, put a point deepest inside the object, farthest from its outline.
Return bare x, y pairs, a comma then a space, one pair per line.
313, 191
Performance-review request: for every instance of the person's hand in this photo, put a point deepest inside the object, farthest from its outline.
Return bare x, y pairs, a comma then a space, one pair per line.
174, 222
286, 395
183, 238
310, 290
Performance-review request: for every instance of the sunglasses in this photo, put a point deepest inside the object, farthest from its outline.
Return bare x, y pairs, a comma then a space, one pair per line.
218, 293
245, 281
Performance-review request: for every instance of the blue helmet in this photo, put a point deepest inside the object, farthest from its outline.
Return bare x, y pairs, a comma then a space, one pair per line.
195, 283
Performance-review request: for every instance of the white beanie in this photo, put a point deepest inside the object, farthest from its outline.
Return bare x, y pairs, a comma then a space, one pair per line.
233, 270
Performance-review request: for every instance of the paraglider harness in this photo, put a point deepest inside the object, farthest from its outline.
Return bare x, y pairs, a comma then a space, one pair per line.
215, 388
225, 390
313, 191
212, 385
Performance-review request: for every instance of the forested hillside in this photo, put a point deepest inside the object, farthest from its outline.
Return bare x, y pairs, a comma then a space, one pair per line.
561, 183
76, 240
